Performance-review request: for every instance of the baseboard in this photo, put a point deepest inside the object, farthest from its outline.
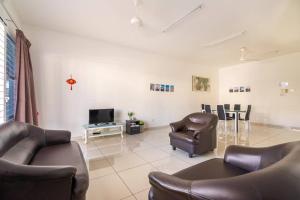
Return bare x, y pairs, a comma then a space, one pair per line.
156, 127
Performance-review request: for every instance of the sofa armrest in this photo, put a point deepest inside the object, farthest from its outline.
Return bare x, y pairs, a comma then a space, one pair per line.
244, 157
57, 137
35, 182
253, 159
50, 137
9, 170
169, 184
177, 126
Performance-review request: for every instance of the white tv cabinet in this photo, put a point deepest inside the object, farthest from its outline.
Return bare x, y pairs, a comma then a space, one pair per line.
99, 130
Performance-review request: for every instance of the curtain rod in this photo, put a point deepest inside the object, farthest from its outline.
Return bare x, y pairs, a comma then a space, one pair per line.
9, 15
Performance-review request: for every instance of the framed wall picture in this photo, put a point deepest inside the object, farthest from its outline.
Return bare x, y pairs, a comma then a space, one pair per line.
157, 87
242, 89
171, 88
248, 89
167, 88
152, 87
200, 84
239, 89
162, 87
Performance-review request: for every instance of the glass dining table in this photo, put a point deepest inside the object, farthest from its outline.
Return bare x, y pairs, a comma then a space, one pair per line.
236, 120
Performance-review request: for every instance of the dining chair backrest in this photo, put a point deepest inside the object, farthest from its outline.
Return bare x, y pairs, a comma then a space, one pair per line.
203, 106
237, 107
247, 116
227, 106
221, 112
207, 108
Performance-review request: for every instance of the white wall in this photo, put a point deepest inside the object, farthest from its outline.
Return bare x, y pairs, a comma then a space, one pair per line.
10, 25
109, 76
264, 77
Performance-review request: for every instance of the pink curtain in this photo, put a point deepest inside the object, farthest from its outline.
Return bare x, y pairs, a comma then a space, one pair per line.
26, 110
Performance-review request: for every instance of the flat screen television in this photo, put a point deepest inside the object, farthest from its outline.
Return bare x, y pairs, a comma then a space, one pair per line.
97, 116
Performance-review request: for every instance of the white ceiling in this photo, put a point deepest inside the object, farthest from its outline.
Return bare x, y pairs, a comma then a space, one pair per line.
270, 25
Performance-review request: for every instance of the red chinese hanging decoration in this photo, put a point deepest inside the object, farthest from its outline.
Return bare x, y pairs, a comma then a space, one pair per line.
71, 82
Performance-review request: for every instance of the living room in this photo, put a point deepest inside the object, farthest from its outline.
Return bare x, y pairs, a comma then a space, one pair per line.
125, 56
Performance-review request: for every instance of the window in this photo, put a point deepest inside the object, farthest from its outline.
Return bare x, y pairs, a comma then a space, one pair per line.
10, 78
7, 75
2, 73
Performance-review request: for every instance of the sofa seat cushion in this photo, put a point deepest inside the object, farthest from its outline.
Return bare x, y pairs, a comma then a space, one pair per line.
184, 136
65, 154
211, 169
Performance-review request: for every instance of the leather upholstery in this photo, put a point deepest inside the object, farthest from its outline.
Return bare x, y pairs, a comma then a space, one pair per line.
40, 164
270, 173
211, 169
196, 133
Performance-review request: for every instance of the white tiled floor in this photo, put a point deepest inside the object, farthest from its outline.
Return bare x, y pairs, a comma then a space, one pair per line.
119, 168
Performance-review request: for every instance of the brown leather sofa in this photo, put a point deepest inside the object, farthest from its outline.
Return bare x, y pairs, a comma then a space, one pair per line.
271, 173
196, 133
38, 164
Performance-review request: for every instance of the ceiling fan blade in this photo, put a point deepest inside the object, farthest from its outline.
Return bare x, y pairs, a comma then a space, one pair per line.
246, 57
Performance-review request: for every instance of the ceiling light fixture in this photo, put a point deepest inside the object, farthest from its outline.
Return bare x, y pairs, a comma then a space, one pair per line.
136, 20
246, 55
243, 54
179, 20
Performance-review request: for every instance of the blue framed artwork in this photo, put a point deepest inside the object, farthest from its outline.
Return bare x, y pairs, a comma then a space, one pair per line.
161, 87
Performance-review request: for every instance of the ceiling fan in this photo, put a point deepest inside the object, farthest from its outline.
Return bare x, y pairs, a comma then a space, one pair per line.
136, 20
247, 56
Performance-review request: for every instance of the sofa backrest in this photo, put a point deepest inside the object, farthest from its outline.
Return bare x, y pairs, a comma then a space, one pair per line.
17, 143
277, 178
196, 121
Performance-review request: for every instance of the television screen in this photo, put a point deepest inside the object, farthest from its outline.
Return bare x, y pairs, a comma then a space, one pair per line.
101, 116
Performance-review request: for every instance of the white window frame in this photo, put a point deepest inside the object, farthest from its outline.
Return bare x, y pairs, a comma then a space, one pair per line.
3, 59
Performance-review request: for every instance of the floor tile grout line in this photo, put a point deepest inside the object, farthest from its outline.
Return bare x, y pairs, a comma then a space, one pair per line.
153, 160
124, 183
128, 197
117, 173
133, 194
99, 177
149, 162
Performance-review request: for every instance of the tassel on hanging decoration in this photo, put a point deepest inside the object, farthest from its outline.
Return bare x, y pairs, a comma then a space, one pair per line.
71, 82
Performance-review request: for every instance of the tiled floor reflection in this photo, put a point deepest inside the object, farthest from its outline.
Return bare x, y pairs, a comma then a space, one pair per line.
118, 168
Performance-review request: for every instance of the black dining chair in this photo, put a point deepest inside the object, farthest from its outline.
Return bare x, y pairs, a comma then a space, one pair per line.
202, 107
247, 117
207, 108
222, 116
236, 107
227, 107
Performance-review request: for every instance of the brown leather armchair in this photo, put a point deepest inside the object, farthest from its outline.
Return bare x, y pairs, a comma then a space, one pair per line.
40, 164
244, 174
196, 133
